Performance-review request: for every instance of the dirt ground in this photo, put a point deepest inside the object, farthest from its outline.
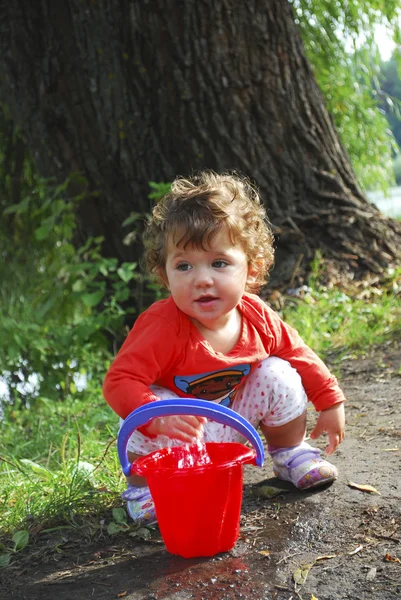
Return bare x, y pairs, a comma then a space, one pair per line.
336, 543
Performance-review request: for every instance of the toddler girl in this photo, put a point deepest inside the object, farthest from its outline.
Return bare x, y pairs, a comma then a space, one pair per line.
210, 244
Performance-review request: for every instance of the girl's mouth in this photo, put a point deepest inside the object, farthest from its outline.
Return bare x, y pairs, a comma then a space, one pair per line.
206, 299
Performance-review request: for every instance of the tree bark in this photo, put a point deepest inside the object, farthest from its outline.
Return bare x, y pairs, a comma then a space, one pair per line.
142, 90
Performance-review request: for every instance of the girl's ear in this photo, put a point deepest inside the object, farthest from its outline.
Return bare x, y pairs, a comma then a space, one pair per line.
253, 271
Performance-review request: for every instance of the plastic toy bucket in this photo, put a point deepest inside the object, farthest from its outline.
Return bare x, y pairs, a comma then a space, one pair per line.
198, 507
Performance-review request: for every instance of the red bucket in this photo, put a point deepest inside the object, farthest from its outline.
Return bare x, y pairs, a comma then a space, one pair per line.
198, 507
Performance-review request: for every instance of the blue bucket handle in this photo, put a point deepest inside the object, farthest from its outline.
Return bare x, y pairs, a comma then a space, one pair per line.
187, 406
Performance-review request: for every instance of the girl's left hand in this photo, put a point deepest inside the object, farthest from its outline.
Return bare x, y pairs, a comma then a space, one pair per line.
331, 421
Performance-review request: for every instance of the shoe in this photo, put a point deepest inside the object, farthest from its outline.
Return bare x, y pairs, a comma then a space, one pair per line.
140, 505
302, 466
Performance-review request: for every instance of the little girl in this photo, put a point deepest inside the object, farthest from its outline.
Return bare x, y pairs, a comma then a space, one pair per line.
210, 244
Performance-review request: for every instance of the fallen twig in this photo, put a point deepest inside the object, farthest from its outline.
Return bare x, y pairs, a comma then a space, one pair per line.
285, 558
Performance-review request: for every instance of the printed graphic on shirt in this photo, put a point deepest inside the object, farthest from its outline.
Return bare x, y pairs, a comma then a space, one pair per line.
217, 386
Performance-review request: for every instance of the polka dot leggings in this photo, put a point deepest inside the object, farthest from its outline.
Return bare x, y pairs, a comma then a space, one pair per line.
272, 395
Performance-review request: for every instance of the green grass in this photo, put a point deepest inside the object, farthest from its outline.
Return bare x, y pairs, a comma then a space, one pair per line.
333, 322
58, 469
59, 466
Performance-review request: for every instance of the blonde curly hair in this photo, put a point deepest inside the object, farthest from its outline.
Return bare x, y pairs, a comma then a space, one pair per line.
196, 208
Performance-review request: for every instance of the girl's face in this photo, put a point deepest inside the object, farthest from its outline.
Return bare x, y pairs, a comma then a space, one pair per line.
207, 285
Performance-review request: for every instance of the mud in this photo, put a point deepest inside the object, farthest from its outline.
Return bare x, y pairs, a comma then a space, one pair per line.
335, 543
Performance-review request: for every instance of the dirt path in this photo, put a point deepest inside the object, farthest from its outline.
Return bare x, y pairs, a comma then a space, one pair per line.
337, 543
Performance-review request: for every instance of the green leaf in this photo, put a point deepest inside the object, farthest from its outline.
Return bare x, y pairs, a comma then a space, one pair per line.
134, 216
4, 560
13, 350
78, 285
269, 491
93, 299
119, 515
114, 528
18, 208
125, 272
121, 295
38, 469
159, 189
143, 533
20, 539
42, 232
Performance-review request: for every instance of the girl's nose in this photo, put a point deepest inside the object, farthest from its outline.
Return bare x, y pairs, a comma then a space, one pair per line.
203, 277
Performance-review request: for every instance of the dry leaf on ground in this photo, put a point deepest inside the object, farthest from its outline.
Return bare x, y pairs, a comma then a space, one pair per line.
357, 549
364, 487
390, 558
301, 573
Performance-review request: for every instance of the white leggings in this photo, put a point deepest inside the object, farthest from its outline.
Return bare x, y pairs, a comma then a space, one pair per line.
272, 395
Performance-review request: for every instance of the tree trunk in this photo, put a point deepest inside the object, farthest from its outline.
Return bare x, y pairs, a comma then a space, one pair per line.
138, 90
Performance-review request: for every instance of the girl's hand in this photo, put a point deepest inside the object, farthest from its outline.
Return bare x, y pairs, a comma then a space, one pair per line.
185, 428
331, 421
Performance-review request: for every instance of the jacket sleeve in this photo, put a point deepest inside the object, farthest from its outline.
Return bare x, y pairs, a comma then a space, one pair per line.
320, 385
143, 357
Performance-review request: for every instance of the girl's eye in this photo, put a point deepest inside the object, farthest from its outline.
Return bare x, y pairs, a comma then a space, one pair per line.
183, 266
219, 264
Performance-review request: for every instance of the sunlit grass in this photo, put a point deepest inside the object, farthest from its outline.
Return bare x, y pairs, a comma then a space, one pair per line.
332, 321
58, 464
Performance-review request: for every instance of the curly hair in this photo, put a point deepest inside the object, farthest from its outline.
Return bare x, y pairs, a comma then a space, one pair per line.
197, 207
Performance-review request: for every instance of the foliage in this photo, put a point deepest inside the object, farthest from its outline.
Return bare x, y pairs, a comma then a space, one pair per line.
340, 44
159, 189
59, 306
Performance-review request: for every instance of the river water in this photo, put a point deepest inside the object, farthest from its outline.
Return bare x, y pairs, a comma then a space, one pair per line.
389, 204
